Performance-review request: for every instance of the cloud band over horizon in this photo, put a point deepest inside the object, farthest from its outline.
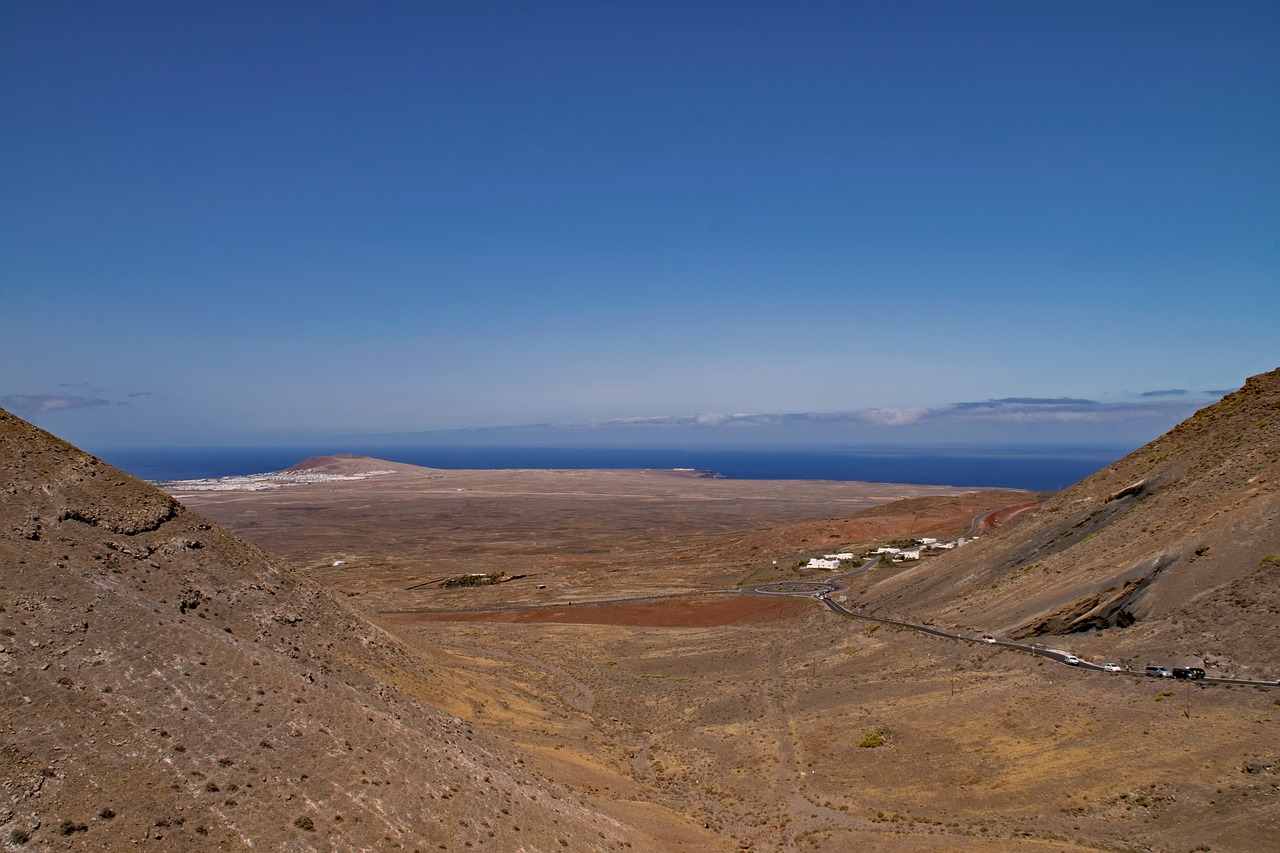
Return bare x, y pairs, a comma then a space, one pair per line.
970, 417
44, 403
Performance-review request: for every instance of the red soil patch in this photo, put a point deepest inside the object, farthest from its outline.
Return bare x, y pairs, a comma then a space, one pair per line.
1007, 514
672, 613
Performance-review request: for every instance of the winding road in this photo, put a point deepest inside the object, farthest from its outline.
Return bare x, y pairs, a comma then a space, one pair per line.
823, 588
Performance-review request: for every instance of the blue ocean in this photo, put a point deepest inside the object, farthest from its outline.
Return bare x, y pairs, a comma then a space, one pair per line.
1037, 468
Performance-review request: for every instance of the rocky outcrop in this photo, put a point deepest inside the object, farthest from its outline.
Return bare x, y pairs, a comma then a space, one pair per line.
1116, 606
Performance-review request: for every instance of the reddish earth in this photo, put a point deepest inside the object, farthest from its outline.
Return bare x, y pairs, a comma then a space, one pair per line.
1007, 514
701, 612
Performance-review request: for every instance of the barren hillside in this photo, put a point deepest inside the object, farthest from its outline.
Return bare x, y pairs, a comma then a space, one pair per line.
1173, 550
167, 683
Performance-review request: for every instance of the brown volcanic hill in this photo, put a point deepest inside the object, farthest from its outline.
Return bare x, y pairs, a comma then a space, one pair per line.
349, 464
1171, 554
166, 682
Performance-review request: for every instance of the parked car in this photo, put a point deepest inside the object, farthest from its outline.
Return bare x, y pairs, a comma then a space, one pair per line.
1111, 667
1159, 672
1071, 660
1194, 673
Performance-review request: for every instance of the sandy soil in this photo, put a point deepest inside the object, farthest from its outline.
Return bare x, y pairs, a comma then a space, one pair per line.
749, 715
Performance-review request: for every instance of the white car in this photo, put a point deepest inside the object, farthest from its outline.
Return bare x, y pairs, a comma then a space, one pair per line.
987, 638
1071, 660
1111, 667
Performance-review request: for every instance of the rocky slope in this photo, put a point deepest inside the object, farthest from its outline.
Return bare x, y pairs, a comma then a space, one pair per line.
1171, 554
166, 683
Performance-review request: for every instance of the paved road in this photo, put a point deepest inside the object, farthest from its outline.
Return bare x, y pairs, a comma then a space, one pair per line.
823, 588
978, 520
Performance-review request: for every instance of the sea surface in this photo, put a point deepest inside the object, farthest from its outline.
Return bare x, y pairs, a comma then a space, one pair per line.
1037, 468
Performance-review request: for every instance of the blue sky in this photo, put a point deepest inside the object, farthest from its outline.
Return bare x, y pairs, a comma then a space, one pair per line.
267, 222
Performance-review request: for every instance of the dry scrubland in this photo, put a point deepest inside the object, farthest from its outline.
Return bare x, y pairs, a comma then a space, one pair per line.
585, 535
167, 684
755, 731
757, 717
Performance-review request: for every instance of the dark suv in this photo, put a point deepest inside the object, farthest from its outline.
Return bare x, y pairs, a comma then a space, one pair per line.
1194, 673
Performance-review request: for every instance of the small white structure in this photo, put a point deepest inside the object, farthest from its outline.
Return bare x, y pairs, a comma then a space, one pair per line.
815, 563
908, 554
885, 550
845, 555
927, 540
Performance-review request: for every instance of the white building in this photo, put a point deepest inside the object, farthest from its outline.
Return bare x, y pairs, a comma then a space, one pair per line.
815, 563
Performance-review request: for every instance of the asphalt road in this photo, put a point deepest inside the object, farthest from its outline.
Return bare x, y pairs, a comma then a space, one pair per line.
823, 588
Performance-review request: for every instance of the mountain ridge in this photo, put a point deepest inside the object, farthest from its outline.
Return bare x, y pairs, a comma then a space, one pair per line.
1176, 539
166, 682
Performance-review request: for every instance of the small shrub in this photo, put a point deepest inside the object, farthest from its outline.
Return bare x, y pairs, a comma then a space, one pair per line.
473, 580
1269, 559
19, 837
68, 827
872, 739
305, 823
1163, 695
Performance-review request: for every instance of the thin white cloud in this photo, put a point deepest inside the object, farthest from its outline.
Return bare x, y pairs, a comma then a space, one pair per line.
1016, 416
43, 403
1032, 410
892, 417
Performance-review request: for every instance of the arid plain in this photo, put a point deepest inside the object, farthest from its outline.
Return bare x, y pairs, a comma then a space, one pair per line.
623, 662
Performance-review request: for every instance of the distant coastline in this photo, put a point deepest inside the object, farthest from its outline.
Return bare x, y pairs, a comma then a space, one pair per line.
1035, 468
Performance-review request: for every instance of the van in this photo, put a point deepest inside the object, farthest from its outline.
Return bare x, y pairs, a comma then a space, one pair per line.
1194, 673
1159, 672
